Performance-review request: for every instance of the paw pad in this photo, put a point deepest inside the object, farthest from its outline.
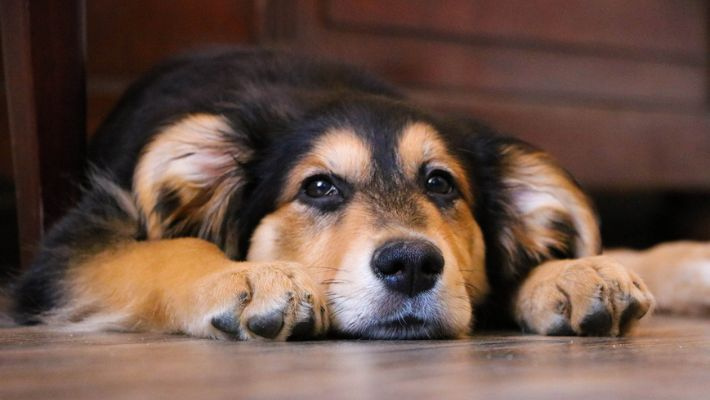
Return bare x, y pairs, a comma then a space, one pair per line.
267, 326
597, 322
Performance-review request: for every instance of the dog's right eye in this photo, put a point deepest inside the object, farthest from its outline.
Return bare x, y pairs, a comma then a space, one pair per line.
322, 191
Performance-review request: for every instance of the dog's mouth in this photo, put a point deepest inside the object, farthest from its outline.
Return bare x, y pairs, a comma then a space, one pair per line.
405, 321
370, 311
406, 326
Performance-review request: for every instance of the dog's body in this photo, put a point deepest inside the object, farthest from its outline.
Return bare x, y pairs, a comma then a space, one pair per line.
246, 194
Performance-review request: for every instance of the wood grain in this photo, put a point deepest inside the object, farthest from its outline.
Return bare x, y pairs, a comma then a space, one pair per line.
639, 28
43, 55
429, 61
667, 358
616, 91
127, 37
633, 116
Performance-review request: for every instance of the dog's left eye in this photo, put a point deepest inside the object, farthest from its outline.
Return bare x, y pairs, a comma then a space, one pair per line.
320, 187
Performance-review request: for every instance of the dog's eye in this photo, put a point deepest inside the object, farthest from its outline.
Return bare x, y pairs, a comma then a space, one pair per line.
320, 187
439, 183
323, 192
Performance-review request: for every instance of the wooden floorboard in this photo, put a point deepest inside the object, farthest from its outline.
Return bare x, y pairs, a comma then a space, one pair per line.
667, 358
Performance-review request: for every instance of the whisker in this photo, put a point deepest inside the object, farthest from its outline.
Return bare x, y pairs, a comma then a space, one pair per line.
322, 267
333, 281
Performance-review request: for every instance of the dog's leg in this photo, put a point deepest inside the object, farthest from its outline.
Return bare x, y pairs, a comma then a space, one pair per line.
188, 285
678, 274
93, 272
587, 296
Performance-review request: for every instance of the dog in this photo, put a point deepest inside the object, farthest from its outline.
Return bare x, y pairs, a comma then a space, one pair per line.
252, 194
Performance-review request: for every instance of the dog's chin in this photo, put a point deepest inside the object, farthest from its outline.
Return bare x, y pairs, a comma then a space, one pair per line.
407, 327
386, 315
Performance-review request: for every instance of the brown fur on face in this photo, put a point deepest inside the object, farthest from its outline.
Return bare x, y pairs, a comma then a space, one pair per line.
337, 247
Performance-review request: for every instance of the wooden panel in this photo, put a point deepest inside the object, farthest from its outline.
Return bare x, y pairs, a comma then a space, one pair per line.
5, 156
634, 117
43, 52
651, 28
605, 148
667, 359
459, 66
127, 37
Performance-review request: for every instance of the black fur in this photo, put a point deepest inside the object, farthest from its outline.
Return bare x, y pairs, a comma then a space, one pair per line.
278, 103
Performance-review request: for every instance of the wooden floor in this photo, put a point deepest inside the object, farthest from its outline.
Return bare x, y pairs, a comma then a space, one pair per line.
667, 358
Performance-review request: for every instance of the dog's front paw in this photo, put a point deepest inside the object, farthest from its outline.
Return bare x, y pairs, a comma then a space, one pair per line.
268, 301
593, 296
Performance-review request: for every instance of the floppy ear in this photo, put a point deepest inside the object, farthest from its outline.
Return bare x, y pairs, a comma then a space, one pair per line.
530, 209
187, 176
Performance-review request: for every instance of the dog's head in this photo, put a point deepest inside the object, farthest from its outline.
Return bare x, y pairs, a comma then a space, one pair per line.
380, 209
405, 220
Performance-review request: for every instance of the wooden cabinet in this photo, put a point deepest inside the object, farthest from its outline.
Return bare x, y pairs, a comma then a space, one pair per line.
616, 90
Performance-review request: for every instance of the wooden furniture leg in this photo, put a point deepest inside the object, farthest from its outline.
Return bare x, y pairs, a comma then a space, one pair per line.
43, 54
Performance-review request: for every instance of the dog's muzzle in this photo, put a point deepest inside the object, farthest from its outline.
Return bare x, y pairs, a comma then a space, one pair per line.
408, 266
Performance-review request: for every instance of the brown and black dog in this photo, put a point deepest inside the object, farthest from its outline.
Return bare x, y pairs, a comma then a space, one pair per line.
249, 194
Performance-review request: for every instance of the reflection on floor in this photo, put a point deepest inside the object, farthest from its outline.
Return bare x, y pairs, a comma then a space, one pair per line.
666, 358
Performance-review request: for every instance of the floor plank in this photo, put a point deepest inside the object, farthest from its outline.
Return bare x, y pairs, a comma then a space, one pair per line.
666, 358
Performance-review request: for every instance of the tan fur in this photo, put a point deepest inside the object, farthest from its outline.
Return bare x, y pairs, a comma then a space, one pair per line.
193, 158
567, 291
540, 190
179, 285
678, 274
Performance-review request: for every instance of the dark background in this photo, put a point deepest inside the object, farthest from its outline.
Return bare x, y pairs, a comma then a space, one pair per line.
617, 91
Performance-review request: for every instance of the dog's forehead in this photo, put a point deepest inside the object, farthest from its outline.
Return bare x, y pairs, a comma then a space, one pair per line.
340, 151
356, 153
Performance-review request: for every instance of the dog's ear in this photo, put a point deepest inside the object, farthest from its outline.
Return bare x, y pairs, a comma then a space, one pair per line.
530, 209
187, 176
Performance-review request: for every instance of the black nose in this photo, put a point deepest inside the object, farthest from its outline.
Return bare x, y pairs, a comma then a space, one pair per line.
408, 266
